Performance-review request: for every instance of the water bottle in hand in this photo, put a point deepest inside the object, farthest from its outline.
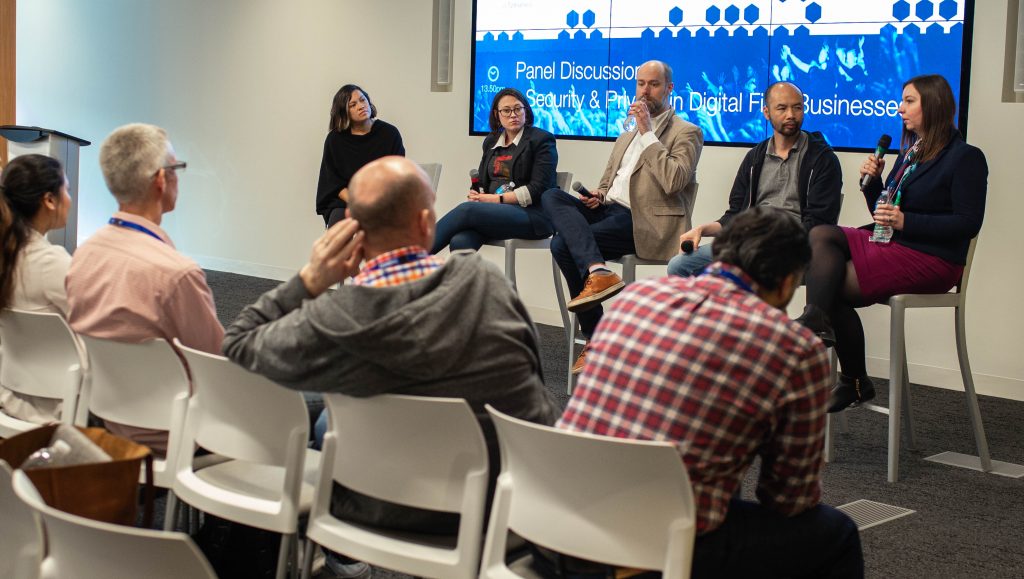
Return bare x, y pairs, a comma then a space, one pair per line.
881, 233
629, 125
505, 188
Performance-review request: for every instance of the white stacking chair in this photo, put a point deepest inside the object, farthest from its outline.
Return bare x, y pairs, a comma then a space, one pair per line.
21, 533
87, 549
433, 170
625, 503
263, 429
416, 451
899, 381
135, 384
41, 358
511, 246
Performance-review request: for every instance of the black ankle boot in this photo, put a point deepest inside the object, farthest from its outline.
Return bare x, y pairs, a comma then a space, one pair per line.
815, 320
850, 392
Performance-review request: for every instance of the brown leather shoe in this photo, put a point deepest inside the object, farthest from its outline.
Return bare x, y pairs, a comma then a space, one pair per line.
581, 360
600, 286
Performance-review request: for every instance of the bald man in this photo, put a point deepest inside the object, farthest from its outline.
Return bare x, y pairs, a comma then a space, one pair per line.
793, 169
407, 323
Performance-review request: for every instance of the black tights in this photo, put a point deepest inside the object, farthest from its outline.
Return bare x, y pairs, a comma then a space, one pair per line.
832, 286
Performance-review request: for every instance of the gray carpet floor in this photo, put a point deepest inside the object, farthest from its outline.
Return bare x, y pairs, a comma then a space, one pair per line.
966, 524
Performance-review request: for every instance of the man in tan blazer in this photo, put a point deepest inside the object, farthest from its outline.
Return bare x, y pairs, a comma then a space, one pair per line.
641, 206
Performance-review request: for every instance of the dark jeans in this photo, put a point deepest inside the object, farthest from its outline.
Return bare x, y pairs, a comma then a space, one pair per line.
585, 236
757, 542
753, 542
470, 224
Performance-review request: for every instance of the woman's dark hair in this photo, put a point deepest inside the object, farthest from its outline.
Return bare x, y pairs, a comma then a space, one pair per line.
767, 243
24, 183
495, 120
339, 107
937, 111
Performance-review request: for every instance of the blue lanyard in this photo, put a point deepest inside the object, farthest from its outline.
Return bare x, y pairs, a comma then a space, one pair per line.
135, 226
732, 277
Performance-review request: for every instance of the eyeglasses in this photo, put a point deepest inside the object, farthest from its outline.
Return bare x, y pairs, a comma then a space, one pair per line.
174, 167
513, 111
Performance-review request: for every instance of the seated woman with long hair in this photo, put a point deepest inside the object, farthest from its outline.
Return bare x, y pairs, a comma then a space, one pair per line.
33, 200
355, 138
936, 202
517, 167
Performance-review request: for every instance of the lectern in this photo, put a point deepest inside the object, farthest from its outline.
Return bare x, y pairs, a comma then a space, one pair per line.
60, 146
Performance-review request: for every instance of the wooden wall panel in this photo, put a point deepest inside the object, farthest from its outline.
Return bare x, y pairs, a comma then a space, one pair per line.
7, 69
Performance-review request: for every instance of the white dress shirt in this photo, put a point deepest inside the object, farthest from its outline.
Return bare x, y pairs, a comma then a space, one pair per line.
619, 191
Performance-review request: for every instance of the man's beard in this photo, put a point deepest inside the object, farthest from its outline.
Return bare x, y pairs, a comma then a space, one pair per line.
654, 107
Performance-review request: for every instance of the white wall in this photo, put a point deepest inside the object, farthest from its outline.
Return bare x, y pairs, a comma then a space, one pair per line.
244, 88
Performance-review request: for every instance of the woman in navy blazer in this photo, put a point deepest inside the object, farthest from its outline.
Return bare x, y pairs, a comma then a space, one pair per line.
518, 165
936, 191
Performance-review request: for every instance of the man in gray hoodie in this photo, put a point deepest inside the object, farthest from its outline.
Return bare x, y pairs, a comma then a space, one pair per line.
407, 323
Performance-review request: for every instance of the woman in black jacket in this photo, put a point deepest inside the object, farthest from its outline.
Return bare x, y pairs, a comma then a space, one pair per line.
518, 165
936, 191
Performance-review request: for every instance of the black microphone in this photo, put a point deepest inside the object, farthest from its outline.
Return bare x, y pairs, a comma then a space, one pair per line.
687, 246
883, 145
474, 179
579, 188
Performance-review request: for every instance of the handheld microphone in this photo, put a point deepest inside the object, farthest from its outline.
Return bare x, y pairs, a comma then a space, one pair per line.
687, 246
883, 145
579, 188
474, 179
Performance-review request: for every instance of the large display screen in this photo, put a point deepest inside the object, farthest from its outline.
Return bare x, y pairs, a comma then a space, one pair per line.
575, 61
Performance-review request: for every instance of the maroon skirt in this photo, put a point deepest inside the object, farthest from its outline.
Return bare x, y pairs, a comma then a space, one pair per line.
888, 269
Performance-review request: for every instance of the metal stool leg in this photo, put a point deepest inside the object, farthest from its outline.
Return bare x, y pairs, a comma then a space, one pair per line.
973, 410
510, 263
556, 275
908, 408
897, 349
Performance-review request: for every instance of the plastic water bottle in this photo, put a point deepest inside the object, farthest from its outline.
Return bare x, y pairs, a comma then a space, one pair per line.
48, 456
629, 125
502, 189
881, 233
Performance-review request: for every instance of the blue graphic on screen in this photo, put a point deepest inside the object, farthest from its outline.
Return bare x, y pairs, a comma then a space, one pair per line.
576, 61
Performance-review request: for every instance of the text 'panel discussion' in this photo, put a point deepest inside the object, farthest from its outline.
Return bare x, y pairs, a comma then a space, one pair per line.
552, 289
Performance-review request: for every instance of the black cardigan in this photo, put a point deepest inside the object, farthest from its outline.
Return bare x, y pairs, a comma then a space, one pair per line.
345, 153
534, 162
943, 201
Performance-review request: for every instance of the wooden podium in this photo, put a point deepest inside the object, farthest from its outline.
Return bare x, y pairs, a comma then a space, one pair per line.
60, 146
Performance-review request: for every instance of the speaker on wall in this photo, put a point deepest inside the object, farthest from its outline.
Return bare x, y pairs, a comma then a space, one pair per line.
442, 46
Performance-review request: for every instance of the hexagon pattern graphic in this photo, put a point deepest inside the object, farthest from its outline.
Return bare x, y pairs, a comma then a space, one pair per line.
813, 12
947, 9
901, 10
751, 14
732, 14
572, 19
924, 9
675, 16
713, 15
588, 18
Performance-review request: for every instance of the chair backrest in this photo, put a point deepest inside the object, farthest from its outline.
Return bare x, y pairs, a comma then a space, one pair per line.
435, 452
41, 357
21, 532
86, 549
962, 286
621, 502
239, 414
133, 384
563, 180
433, 170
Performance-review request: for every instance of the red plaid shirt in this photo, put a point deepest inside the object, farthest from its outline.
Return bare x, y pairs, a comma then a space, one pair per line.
707, 365
398, 266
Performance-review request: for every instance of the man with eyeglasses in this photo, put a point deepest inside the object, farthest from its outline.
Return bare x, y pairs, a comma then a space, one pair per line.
127, 282
640, 207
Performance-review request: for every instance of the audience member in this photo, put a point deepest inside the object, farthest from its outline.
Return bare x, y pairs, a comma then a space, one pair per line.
127, 282
355, 137
793, 169
518, 165
641, 205
407, 323
936, 192
33, 200
714, 365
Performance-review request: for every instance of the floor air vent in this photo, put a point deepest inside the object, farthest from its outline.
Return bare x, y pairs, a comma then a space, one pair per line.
869, 513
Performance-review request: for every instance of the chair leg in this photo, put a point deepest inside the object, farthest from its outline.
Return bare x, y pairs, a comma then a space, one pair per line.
510, 265
572, 350
307, 558
973, 410
830, 439
556, 275
628, 272
283, 554
171, 511
908, 407
897, 350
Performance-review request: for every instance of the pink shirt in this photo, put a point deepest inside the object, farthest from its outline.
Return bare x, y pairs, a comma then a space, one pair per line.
126, 285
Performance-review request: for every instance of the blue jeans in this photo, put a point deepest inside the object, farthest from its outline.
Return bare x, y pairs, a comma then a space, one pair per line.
687, 264
586, 236
470, 224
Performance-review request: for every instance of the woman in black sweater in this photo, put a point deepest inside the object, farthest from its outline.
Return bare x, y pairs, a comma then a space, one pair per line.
518, 165
356, 137
936, 191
